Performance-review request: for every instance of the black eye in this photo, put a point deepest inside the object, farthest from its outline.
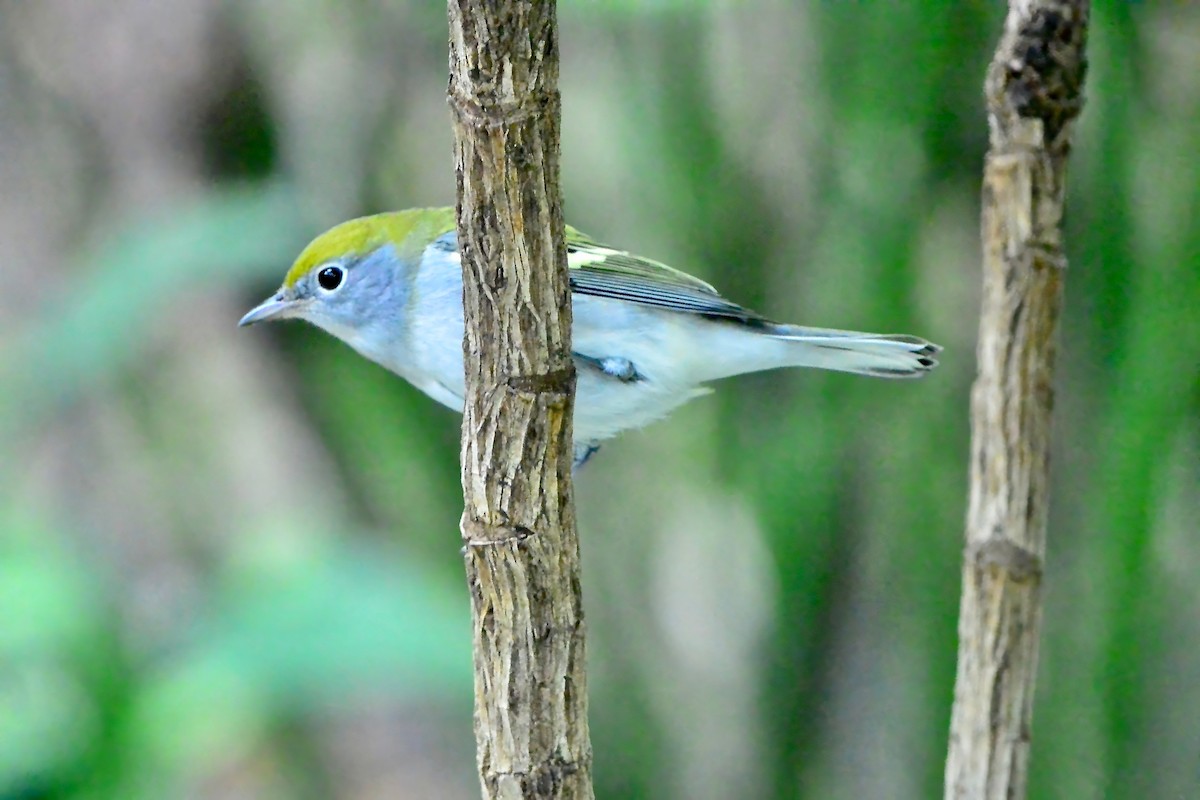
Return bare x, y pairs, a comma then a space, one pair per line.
330, 278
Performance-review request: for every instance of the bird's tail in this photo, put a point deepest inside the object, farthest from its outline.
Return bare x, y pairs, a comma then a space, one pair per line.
881, 355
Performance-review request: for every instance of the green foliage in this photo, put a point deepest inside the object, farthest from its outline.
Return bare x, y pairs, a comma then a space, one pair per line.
235, 233
219, 550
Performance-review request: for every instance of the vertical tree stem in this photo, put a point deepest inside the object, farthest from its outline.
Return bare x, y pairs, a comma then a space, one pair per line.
518, 524
1034, 92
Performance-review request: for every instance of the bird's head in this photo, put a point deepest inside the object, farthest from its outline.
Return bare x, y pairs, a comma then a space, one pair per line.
354, 280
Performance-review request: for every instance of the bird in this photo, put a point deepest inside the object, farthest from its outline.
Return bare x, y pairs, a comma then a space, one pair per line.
646, 338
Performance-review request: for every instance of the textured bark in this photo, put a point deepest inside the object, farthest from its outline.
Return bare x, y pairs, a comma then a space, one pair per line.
518, 525
1034, 92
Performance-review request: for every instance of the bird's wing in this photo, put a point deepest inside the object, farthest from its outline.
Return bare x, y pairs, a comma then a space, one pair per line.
603, 271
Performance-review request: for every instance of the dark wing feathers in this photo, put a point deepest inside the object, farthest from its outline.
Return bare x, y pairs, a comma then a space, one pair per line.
606, 272
603, 271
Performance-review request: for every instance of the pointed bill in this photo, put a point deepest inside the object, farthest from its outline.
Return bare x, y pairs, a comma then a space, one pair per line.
272, 308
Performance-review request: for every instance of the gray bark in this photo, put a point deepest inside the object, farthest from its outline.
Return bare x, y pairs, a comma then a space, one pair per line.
518, 525
1034, 92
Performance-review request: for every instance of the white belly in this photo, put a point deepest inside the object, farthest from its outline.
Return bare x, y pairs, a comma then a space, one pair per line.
673, 354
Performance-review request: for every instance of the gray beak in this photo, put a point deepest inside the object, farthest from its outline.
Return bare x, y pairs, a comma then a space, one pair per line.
271, 308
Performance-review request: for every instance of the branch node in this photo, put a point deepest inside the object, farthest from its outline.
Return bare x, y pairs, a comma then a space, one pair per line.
485, 535
546, 780
470, 110
556, 381
1006, 556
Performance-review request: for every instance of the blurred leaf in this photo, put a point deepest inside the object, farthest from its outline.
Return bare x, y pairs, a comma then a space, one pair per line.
231, 235
47, 601
298, 636
47, 721
51, 612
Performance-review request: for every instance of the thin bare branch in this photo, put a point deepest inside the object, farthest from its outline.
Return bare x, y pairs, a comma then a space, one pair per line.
1034, 92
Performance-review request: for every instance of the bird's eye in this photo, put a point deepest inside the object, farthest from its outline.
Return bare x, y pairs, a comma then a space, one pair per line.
330, 278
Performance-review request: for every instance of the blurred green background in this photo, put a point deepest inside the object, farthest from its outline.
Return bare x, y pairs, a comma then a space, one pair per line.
229, 559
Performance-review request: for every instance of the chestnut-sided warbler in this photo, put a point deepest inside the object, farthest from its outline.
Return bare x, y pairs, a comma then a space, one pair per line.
646, 337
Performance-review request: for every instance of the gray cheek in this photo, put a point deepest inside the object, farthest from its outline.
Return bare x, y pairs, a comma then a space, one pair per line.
373, 299
375, 296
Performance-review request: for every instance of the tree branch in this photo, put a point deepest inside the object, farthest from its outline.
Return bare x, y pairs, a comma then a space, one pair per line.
518, 525
1034, 92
